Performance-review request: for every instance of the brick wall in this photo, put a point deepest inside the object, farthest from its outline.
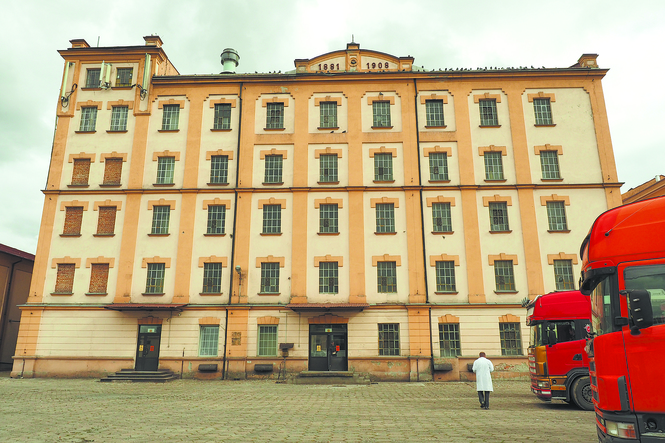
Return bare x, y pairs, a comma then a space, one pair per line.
112, 171
99, 276
106, 222
81, 171
73, 219
65, 280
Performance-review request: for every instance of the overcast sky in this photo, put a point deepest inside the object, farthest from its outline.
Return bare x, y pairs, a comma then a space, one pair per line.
269, 35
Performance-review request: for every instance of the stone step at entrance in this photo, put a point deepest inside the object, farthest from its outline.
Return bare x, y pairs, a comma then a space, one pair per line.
159, 376
330, 378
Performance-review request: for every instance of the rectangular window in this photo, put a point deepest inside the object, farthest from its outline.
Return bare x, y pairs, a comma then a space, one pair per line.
92, 78
488, 115
269, 278
272, 219
549, 164
386, 272
543, 111
385, 217
112, 171
212, 278
438, 166
503, 276
267, 341
170, 117
216, 219
328, 113
73, 219
88, 119
556, 216
499, 216
328, 168
106, 220
208, 341
445, 276
222, 116
274, 166
124, 77
160, 219
493, 166
155, 278
328, 278
64, 281
165, 170
563, 275
275, 116
81, 171
381, 114
441, 219
388, 338
99, 276
449, 341
434, 112
219, 169
328, 217
383, 167
511, 338
119, 118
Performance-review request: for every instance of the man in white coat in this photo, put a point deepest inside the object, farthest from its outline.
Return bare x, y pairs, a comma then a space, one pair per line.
483, 368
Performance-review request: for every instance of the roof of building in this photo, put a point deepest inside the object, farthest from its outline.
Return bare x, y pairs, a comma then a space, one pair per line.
16, 252
653, 188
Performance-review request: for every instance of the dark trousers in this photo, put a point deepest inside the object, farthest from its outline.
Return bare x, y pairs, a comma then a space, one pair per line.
484, 397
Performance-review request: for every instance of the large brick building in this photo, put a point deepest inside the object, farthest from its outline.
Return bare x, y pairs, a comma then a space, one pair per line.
368, 214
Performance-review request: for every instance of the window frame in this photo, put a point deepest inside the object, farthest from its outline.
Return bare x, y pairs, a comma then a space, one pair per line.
488, 112
119, 116
542, 110
328, 277
329, 218
103, 214
556, 216
442, 211
73, 221
165, 170
161, 217
269, 278
65, 287
328, 115
92, 80
564, 279
95, 270
385, 218
504, 276
381, 117
549, 165
216, 222
389, 339
386, 277
275, 115
328, 168
273, 169
119, 83
155, 274
510, 345
266, 342
450, 344
434, 113
438, 161
170, 117
493, 161
80, 170
222, 118
498, 213
208, 340
219, 169
383, 167
88, 119
108, 162
272, 219
212, 278
445, 276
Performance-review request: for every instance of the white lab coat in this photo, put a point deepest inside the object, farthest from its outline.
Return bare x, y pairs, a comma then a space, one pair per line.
482, 367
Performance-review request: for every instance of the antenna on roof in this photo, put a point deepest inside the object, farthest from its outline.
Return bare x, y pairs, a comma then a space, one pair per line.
98, 41
352, 40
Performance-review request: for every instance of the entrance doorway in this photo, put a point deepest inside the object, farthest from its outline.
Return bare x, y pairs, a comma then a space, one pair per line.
328, 348
147, 349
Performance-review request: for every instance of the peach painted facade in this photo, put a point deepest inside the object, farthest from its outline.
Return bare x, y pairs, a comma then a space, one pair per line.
371, 217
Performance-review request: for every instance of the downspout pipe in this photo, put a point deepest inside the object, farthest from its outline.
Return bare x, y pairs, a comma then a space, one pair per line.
422, 227
233, 237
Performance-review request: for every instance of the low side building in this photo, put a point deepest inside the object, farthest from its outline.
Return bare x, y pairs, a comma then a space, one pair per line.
652, 188
357, 213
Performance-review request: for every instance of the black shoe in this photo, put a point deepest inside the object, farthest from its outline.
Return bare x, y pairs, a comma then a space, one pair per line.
482, 406
487, 407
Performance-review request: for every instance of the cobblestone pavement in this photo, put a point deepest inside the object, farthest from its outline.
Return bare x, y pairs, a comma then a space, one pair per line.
84, 410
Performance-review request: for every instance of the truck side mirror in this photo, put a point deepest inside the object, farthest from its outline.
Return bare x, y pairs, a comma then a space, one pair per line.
640, 309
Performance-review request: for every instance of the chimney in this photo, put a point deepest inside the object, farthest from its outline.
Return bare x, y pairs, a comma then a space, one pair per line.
230, 59
588, 61
153, 40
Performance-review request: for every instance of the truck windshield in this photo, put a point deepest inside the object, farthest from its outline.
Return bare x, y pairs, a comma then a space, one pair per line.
651, 278
552, 332
601, 312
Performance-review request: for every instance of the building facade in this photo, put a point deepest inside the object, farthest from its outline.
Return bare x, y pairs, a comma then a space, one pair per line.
357, 213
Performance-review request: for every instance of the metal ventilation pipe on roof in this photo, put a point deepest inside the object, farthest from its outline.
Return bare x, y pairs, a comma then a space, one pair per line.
230, 59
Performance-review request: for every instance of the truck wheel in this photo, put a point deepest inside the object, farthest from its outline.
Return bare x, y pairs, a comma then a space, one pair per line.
581, 393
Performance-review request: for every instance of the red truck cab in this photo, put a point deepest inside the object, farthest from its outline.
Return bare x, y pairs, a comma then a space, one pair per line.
623, 269
560, 323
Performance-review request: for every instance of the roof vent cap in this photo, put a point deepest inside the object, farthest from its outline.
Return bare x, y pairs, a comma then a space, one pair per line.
230, 59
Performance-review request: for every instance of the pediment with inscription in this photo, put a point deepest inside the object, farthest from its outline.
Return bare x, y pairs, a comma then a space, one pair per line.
354, 59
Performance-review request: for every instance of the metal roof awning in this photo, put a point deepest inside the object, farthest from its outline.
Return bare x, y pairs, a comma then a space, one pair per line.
318, 307
145, 307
